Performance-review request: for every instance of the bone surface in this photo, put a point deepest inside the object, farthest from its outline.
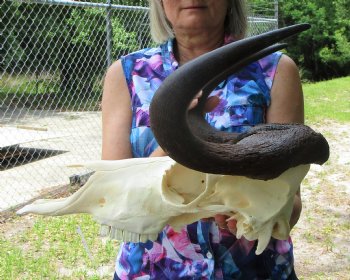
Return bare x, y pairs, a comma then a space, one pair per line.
136, 198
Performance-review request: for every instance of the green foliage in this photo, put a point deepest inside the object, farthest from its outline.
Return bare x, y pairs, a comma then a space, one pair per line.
70, 42
142, 3
264, 8
324, 51
67, 43
26, 37
339, 53
125, 38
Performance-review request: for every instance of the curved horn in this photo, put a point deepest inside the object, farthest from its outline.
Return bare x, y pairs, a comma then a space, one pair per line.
264, 152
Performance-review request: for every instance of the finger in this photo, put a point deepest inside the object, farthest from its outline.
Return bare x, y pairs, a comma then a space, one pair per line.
232, 226
193, 104
159, 152
211, 103
221, 221
195, 101
198, 95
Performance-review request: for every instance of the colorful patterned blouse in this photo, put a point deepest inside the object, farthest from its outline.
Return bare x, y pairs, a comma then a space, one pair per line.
201, 250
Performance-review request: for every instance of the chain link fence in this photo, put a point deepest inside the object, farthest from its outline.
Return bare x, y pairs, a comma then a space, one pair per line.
53, 57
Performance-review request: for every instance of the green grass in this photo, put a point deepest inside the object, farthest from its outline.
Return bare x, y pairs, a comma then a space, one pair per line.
51, 248
43, 92
26, 84
328, 100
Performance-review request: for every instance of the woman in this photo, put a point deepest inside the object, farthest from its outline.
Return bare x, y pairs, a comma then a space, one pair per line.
185, 30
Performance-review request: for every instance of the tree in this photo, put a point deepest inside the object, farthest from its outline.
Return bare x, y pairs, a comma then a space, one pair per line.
83, 50
324, 50
66, 42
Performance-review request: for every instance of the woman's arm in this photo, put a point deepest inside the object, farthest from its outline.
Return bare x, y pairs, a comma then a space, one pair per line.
211, 104
287, 106
287, 103
116, 115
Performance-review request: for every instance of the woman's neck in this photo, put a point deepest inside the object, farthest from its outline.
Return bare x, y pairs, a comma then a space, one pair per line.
189, 46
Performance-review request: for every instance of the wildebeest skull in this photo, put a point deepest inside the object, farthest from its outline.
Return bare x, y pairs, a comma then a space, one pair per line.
251, 177
138, 197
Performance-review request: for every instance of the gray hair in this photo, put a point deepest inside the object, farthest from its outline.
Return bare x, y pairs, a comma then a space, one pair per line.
235, 22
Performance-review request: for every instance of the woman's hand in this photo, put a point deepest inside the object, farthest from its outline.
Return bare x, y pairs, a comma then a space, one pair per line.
194, 101
210, 104
223, 223
231, 225
159, 152
297, 207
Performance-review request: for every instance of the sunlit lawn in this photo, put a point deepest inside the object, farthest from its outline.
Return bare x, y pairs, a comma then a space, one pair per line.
55, 248
329, 100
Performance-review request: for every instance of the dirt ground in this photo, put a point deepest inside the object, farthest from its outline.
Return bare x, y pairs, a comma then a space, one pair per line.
322, 236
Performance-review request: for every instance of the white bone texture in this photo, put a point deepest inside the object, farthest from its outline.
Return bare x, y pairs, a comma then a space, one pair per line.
136, 198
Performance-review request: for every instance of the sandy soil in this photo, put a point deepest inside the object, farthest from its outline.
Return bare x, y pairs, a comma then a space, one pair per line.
322, 235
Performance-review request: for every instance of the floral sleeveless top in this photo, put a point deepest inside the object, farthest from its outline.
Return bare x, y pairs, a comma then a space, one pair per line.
201, 250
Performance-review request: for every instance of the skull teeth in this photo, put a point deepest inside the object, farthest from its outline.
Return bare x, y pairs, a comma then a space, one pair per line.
124, 235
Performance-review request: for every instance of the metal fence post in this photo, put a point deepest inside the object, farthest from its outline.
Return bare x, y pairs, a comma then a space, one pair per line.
276, 12
109, 34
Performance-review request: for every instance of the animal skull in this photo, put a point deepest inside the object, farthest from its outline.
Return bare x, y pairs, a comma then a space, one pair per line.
138, 197
251, 177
